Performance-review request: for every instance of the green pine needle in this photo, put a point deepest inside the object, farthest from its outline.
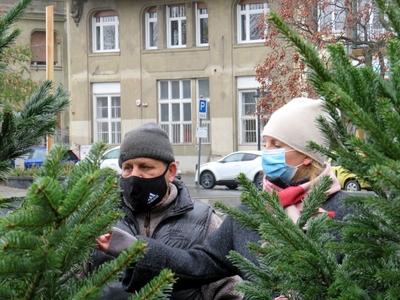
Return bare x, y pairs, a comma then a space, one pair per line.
159, 288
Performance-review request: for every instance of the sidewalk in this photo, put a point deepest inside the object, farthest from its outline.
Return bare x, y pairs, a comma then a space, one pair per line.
10, 192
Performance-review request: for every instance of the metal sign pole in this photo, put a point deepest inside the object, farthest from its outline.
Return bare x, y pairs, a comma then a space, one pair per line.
199, 158
202, 114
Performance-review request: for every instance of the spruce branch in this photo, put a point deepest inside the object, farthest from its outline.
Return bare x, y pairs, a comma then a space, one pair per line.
253, 291
107, 271
311, 56
159, 288
314, 200
253, 271
242, 217
6, 21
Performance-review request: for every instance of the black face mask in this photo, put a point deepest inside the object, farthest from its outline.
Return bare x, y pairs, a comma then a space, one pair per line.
144, 193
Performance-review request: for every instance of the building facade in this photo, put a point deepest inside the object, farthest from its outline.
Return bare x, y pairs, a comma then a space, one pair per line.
132, 62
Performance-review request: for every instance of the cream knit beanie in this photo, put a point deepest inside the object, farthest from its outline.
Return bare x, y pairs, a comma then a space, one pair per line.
295, 124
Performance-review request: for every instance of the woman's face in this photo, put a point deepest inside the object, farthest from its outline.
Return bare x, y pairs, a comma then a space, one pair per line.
292, 157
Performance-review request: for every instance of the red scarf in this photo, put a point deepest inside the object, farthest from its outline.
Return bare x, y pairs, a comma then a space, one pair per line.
294, 195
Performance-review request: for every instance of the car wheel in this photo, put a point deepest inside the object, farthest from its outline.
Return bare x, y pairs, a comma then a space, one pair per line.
232, 186
207, 180
352, 185
258, 180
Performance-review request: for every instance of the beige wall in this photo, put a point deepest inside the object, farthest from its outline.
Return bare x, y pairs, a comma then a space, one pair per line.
138, 71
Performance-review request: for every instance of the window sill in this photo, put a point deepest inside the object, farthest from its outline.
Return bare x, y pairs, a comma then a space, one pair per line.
105, 53
169, 50
43, 67
249, 45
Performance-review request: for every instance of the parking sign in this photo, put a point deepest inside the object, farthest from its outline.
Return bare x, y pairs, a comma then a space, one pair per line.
202, 108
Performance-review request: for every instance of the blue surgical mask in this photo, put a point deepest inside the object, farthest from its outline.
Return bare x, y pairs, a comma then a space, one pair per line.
275, 167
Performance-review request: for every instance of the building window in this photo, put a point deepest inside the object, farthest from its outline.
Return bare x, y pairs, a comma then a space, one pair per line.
201, 24
151, 28
38, 48
107, 112
247, 113
176, 26
332, 16
105, 33
251, 22
175, 110
248, 121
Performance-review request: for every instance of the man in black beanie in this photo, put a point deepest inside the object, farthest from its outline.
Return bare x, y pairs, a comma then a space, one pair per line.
159, 206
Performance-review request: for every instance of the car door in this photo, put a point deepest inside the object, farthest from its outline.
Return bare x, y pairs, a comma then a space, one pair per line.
110, 160
230, 166
248, 164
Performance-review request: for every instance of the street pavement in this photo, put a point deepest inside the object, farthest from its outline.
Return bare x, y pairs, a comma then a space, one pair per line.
10, 192
218, 193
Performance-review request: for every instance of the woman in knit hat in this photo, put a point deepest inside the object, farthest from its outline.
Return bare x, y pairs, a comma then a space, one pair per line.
291, 170
290, 167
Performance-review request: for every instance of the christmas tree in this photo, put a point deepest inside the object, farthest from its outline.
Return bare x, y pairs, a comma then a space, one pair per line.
45, 243
357, 258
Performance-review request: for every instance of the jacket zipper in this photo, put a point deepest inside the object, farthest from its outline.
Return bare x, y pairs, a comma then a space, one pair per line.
147, 224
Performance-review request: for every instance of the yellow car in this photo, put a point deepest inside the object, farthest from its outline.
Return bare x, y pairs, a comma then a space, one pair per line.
349, 181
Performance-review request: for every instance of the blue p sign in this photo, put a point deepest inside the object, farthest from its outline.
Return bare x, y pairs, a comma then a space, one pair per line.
202, 108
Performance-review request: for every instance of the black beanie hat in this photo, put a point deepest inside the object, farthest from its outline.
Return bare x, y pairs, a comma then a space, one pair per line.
148, 140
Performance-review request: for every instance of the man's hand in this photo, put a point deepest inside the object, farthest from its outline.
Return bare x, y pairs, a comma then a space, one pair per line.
103, 242
115, 241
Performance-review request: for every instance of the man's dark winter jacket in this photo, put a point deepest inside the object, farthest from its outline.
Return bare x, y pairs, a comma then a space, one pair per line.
184, 224
207, 262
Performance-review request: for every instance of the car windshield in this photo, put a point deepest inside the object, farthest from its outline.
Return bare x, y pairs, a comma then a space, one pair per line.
113, 154
233, 157
37, 153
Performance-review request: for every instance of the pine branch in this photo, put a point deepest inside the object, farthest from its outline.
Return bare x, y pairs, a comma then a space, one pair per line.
360, 118
392, 11
159, 288
254, 273
314, 200
311, 56
6, 21
242, 217
52, 166
252, 291
107, 271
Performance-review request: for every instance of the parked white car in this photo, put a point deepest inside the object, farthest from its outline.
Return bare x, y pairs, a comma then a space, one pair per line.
225, 170
110, 159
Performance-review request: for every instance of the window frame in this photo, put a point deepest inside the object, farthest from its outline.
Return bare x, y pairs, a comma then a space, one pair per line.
243, 117
169, 27
149, 20
181, 101
114, 91
101, 24
200, 16
38, 62
247, 13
